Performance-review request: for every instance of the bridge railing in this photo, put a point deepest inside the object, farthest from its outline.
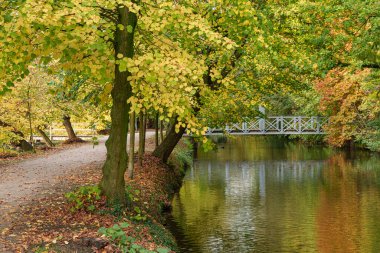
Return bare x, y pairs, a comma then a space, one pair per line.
274, 125
56, 131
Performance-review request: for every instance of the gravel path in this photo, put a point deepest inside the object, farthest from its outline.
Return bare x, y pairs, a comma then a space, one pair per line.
21, 182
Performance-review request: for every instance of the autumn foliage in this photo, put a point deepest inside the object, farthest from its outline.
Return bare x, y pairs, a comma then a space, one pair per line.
345, 98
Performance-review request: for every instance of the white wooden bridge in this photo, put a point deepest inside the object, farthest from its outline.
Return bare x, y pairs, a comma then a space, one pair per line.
276, 125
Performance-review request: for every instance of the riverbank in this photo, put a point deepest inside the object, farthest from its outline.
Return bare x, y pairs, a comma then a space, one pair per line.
53, 224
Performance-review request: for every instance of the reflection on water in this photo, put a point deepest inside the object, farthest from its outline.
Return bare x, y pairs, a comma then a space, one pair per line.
260, 195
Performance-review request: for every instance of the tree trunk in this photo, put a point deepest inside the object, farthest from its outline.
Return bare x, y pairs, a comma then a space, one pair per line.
23, 144
156, 129
113, 183
145, 120
166, 147
161, 130
131, 161
141, 138
31, 137
69, 128
170, 124
29, 115
45, 137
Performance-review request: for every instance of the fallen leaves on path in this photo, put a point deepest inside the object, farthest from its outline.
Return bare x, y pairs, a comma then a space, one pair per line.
48, 221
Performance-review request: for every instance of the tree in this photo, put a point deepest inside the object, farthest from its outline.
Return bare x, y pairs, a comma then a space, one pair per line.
132, 130
352, 105
96, 40
29, 106
261, 59
344, 38
39, 100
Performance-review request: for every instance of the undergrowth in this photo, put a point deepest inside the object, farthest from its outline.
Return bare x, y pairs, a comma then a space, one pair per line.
117, 236
148, 196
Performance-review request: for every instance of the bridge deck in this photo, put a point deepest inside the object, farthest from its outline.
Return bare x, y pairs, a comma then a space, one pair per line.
277, 125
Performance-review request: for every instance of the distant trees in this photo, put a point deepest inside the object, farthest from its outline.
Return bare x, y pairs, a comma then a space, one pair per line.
340, 42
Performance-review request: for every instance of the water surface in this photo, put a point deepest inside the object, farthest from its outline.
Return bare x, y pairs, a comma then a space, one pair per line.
258, 194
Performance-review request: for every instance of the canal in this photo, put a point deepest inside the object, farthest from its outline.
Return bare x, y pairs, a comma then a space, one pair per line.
261, 194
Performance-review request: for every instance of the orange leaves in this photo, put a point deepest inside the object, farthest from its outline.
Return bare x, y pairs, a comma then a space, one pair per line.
342, 95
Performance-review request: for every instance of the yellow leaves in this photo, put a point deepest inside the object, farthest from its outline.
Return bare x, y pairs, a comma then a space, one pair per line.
165, 72
132, 7
140, 74
125, 63
246, 23
105, 95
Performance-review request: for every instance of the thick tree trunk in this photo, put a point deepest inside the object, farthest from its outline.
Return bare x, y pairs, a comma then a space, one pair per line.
166, 147
45, 137
156, 127
23, 144
131, 161
113, 183
69, 128
141, 139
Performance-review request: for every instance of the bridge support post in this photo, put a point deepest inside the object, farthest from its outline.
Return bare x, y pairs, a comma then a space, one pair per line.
262, 120
244, 127
299, 124
318, 123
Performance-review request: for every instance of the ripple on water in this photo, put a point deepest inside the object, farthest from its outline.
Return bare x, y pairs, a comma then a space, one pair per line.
258, 196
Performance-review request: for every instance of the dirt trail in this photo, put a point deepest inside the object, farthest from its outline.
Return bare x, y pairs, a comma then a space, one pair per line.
21, 182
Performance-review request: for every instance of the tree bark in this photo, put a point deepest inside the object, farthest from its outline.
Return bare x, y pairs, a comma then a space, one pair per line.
25, 146
45, 137
131, 161
113, 183
166, 147
162, 131
156, 130
69, 128
145, 120
29, 115
141, 139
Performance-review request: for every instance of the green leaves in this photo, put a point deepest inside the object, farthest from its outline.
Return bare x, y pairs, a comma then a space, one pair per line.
10, 84
125, 243
129, 29
163, 250
8, 18
84, 198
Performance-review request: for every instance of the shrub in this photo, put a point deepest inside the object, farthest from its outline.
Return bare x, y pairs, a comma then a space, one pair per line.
84, 198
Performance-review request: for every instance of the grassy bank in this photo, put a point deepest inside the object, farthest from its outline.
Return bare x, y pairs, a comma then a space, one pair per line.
78, 219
